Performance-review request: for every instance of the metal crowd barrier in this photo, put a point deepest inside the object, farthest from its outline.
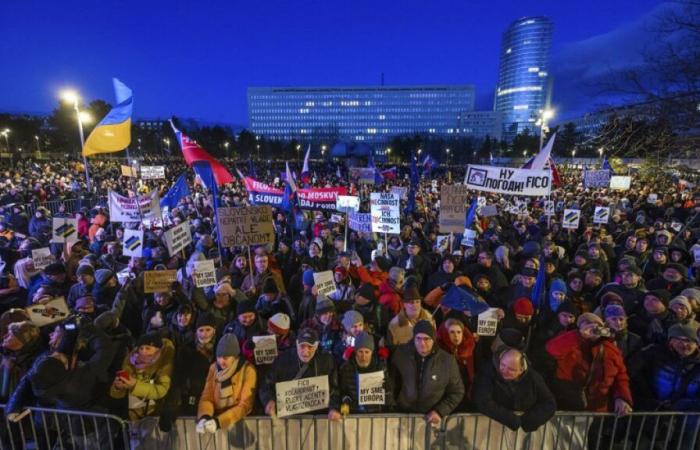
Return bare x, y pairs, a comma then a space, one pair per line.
72, 205
57, 429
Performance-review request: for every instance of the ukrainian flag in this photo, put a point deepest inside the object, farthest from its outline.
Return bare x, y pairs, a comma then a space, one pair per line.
113, 133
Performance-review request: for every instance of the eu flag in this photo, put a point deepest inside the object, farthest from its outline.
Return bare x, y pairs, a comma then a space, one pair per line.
462, 300
179, 190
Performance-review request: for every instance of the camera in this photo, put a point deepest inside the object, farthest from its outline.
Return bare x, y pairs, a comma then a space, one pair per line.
602, 332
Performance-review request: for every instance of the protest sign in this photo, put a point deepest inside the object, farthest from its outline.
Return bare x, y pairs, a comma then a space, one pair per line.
265, 349
125, 209
178, 237
64, 230
548, 208
488, 211
314, 199
53, 311
347, 203
596, 178
362, 175
480, 201
133, 242
324, 282
620, 182
571, 218
469, 236
250, 225
487, 323
507, 180
360, 222
385, 211
302, 395
42, 257
442, 241
336, 218
152, 172
696, 254
370, 387
652, 198
401, 191
601, 214
453, 201
204, 273
158, 280
128, 171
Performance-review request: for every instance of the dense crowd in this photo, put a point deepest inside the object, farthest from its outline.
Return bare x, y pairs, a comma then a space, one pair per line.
615, 330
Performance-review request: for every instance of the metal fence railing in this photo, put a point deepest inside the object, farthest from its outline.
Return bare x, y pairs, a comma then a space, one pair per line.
72, 205
52, 429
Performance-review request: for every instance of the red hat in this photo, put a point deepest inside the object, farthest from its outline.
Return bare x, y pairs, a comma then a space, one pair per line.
523, 306
341, 270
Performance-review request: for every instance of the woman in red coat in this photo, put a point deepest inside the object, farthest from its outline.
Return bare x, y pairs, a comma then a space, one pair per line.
589, 363
457, 340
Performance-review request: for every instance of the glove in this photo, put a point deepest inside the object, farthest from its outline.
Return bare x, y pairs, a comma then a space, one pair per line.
201, 424
446, 286
211, 425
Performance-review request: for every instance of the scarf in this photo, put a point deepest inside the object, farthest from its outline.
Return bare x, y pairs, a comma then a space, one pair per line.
223, 377
205, 348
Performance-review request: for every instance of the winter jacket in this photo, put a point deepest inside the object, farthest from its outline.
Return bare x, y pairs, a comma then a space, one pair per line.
376, 317
280, 304
349, 390
390, 297
501, 399
189, 376
652, 328
668, 382
243, 383
425, 384
573, 357
256, 282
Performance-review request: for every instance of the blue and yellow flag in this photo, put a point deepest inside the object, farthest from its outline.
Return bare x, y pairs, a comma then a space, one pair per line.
113, 133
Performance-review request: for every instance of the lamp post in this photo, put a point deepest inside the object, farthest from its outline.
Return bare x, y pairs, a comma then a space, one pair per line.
447, 150
298, 153
72, 97
226, 144
388, 154
167, 144
545, 115
38, 145
600, 152
323, 151
258, 146
6, 133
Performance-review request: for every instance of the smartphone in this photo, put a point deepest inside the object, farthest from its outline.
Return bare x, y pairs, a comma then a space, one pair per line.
123, 374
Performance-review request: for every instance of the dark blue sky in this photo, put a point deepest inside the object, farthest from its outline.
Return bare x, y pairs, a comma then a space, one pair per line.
196, 59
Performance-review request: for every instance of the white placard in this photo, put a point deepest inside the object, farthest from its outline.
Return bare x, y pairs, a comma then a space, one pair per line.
601, 215
347, 203
302, 395
125, 209
336, 218
64, 230
401, 191
41, 314
468, 238
620, 182
487, 324
571, 218
324, 282
204, 273
370, 388
385, 211
548, 208
508, 180
133, 243
696, 254
265, 349
178, 237
360, 222
480, 201
42, 257
152, 172
442, 241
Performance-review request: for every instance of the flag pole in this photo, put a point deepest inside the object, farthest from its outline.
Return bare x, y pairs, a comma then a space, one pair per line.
347, 224
133, 186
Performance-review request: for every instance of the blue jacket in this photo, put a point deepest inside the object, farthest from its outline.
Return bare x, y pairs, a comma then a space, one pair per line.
669, 382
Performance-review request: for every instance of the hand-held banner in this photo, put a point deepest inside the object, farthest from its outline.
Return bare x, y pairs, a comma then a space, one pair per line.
250, 225
125, 209
386, 213
508, 180
302, 395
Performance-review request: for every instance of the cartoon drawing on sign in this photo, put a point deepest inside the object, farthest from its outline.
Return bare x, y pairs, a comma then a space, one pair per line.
477, 177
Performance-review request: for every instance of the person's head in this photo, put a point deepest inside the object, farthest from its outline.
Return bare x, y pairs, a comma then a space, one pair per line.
148, 347
589, 326
162, 299
307, 344
261, 263
314, 249
56, 336
527, 277
485, 258
411, 302
205, 328
581, 258
641, 245
227, 351
593, 277
353, 323
575, 281
674, 272
85, 275
325, 310
615, 318
656, 302
85, 304
511, 364
423, 337
594, 251
56, 272
279, 324
223, 293
566, 314
364, 347
683, 339
245, 312
413, 248
631, 277
523, 310
183, 317
340, 274
455, 331
483, 283
241, 263
631, 242
397, 276
365, 295
660, 255
557, 293
681, 307
19, 334
448, 265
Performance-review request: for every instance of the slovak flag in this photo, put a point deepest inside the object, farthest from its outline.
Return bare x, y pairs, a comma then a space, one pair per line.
389, 174
193, 153
543, 160
305, 175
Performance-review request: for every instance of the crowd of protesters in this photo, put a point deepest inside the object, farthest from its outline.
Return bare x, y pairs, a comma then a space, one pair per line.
615, 330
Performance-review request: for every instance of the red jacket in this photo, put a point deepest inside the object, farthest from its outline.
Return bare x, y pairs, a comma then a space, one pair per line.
390, 297
371, 277
574, 355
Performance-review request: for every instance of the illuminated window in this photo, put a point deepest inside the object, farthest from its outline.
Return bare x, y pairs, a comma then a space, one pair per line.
533, 69
517, 107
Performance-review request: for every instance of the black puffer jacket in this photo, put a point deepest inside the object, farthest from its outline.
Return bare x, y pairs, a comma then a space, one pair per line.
349, 386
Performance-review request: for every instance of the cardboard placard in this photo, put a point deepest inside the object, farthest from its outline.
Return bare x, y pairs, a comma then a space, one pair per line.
265, 349
370, 388
347, 203
386, 214
336, 218
302, 395
488, 211
133, 243
601, 215
571, 218
487, 323
620, 182
324, 282
204, 273
251, 225
442, 241
158, 280
152, 172
42, 257
360, 222
178, 237
128, 171
41, 314
453, 204
64, 230
401, 191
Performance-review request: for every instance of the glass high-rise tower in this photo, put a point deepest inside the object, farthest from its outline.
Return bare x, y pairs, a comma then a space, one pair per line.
523, 75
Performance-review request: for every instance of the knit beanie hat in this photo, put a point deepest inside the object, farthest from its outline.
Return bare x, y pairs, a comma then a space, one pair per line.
308, 277
609, 298
270, 287
680, 300
425, 327
383, 263
102, 276
24, 331
152, 339
246, 306
228, 346
691, 294
350, 318
85, 269
681, 330
56, 268
279, 323
364, 340
614, 310
410, 294
588, 318
324, 305
523, 306
367, 291
663, 295
567, 307
205, 319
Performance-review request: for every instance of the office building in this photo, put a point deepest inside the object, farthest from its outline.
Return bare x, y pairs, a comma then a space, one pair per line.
371, 114
481, 124
523, 76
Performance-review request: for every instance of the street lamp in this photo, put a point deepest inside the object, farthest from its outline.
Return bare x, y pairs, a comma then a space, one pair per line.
323, 151
6, 133
258, 146
167, 144
447, 150
38, 146
70, 96
226, 144
524, 153
573, 153
545, 115
600, 151
298, 152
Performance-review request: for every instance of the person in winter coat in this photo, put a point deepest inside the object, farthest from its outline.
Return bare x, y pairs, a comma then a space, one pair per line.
253, 282
363, 360
303, 361
239, 270
181, 327
376, 316
84, 286
427, 378
307, 306
629, 343
655, 319
229, 391
457, 340
272, 302
674, 278
683, 311
401, 326
145, 376
21, 345
445, 274
590, 373
344, 290
375, 276
159, 314
247, 323
105, 288
327, 326
512, 393
391, 290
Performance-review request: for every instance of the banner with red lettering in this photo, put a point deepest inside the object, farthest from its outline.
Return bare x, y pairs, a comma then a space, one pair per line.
318, 198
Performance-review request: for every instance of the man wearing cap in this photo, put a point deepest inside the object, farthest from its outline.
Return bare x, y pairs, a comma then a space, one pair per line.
629, 343
427, 378
302, 361
400, 330
84, 286
364, 359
